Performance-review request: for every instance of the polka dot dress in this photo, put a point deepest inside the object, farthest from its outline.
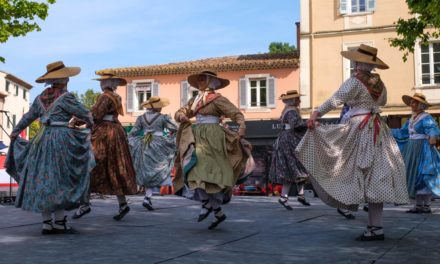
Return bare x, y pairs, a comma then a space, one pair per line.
347, 168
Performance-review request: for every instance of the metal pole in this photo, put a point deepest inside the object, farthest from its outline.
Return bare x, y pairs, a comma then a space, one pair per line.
10, 178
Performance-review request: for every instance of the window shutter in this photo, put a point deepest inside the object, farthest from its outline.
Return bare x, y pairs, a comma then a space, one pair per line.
155, 91
243, 93
184, 87
371, 5
130, 97
343, 7
271, 93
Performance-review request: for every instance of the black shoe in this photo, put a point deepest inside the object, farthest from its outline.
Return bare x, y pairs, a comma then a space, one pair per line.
208, 211
283, 201
81, 211
346, 214
426, 209
371, 234
302, 200
416, 210
65, 230
365, 208
123, 210
148, 205
45, 231
218, 219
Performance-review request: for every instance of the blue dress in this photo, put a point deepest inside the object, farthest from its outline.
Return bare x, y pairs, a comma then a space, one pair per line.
152, 148
422, 160
53, 168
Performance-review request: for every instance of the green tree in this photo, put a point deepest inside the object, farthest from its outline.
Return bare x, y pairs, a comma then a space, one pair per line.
33, 128
17, 17
88, 99
426, 16
280, 47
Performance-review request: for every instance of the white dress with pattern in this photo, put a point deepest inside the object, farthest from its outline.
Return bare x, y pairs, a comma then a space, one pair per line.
347, 168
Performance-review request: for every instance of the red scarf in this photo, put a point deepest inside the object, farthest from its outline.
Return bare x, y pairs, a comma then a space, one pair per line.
49, 95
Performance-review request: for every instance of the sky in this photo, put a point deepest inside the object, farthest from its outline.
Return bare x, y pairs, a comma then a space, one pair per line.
99, 34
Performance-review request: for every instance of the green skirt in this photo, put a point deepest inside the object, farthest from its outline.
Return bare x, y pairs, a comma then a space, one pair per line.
213, 171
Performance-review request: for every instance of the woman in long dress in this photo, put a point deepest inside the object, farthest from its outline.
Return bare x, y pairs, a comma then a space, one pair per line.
210, 156
359, 161
418, 137
286, 169
114, 173
153, 147
53, 168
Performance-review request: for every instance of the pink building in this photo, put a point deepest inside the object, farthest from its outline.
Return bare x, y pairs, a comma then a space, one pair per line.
256, 83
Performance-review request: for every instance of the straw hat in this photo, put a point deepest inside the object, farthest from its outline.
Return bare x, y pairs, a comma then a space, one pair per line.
290, 94
365, 54
155, 102
194, 78
417, 96
57, 70
107, 76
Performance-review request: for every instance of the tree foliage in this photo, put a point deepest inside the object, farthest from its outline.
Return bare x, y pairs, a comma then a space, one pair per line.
426, 16
280, 47
17, 17
88, 99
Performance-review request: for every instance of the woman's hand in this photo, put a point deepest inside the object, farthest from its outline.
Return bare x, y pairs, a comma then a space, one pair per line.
432, 140
312, 122
13, 137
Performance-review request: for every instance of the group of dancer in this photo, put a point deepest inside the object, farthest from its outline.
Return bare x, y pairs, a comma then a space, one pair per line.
358, 161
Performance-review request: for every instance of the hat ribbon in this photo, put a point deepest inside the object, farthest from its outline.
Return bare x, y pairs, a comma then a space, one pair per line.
367, 53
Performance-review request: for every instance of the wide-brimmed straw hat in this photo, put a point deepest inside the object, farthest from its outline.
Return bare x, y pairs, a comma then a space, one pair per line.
365, 54
417, 96
290, 94
107, 76
57, 70
194, 79
155, 102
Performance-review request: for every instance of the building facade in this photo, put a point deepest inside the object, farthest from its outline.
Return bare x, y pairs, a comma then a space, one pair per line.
329, 27
256, 82
15, 95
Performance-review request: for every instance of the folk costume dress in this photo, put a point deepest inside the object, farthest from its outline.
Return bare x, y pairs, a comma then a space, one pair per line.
422, 160
285, 167
114, 173
53, 168
210, 156
359, 161
153, 147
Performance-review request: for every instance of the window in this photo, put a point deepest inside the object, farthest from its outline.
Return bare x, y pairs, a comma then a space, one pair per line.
348, 64
16, 89
187, 92
430, 63
356, 6
24, 94
138, 92
258, 92
7, 86
143, 93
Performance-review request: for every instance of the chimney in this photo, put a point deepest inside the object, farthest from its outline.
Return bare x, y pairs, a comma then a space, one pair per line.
298, 31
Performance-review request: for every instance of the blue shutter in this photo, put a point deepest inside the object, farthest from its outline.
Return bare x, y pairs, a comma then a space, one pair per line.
130, 98
371, 5
155, 91
343, 7
271, 92
243, 93
184, 91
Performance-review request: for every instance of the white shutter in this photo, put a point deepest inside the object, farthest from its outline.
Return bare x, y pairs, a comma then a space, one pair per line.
130, 98
343, 7
184, 91
371, 5
271, 92
243, 93
155, 91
